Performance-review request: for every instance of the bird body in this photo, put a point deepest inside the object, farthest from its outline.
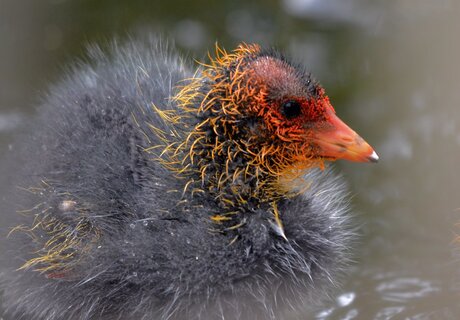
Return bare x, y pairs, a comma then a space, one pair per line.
152, 192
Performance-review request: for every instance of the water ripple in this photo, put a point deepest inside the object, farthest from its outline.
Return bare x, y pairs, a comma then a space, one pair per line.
404, 289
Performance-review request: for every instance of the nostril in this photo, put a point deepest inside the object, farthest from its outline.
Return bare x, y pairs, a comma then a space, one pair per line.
347, 139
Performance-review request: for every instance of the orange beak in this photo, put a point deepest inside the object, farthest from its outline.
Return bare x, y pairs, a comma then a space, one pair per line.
339, 141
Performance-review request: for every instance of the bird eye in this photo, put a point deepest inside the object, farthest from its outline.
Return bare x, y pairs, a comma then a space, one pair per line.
291, 109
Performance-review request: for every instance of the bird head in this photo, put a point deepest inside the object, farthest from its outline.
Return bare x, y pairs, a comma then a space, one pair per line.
291, 111
259, 119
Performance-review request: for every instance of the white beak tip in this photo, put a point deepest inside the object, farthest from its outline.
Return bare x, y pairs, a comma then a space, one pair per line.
373, 157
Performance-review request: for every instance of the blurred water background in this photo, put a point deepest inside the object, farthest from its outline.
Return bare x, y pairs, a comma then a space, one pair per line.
392, 71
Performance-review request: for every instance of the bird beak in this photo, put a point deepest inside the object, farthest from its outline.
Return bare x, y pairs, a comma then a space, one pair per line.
339, 141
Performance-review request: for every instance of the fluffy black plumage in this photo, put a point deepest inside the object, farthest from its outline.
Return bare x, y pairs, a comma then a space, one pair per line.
142, 251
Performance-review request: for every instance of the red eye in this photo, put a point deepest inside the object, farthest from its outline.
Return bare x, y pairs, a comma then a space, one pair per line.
291, 109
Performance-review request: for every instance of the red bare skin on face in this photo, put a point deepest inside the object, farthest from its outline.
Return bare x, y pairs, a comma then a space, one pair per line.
280, 83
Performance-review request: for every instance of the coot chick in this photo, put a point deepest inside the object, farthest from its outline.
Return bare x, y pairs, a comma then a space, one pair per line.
154, 192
